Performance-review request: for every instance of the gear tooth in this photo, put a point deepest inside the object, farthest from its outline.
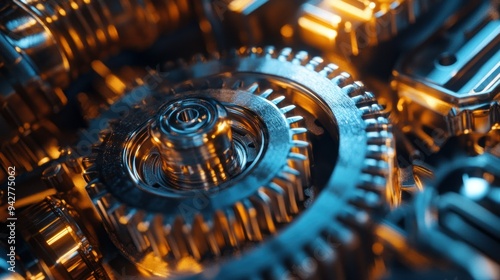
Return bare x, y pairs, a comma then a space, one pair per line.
256, 51
296, 180
254, 87
304, 266
375, 167
237, 85
244, 51
300, 143
277, 100
367, 199
187, 236
373, 182
127, 215
356, 217
298, 130
300, 58
372, 111
285, 182
381, 137
279, 271
134, 218
277, 195
269, 52
262, 202
378, 152
247, 217
326, 257
167, 234
154, 232
300, 162
223, 230
203, 238
355, 89
111, 210
338, 236
95, 189
294, 119
266, 93
287, 109
377, 124
285, 54
174, 235
329, 71
315, 63
342, 79
366, 99
90, 173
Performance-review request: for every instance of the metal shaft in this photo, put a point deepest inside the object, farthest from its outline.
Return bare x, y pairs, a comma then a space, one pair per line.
195, 141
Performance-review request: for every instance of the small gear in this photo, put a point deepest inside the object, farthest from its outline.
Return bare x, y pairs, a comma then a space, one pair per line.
213, 161
57, 246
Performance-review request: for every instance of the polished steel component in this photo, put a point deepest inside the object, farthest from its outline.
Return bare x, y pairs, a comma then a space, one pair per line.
62, 248
44, 45
195, 142
451, 84
347, 26
29, 151
186, 225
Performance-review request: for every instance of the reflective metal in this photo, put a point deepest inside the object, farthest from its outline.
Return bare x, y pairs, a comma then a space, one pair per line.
451, 84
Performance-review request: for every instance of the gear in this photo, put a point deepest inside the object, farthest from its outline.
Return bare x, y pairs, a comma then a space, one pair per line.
349, 26
62, 248
173, 217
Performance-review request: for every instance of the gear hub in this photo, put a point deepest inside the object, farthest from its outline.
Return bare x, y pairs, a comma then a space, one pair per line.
195, 142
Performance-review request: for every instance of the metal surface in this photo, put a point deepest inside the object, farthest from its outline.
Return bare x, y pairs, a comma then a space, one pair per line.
450, 85
61, 248
249, 162
194, 140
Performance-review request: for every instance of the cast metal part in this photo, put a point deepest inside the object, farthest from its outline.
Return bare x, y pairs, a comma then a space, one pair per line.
458, 209
46, 44
451, 84
346, 26
156, 219
59, 246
